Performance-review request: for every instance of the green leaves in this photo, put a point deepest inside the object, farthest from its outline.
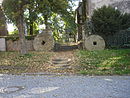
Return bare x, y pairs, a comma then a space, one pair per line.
34, 10
13, 8
108, 20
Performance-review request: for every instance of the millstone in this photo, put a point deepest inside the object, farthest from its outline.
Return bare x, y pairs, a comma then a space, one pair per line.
44, 41
94, 42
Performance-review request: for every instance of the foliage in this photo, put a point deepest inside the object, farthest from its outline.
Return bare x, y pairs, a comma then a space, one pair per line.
104, 62
108, 20
15, 32
2, 17
30, 37
61, 25
38, 12
12, 9
57, 15
125, 21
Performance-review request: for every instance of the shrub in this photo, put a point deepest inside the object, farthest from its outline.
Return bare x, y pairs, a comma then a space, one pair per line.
108, 20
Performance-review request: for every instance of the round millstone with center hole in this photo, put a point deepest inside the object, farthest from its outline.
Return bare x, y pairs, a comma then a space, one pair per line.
94, 42
44, 41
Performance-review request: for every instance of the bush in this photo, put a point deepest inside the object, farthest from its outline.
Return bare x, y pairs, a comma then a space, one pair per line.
126, 21
15, 32
108, 20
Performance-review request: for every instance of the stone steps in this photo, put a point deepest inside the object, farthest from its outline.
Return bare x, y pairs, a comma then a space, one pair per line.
61, 61
61, 64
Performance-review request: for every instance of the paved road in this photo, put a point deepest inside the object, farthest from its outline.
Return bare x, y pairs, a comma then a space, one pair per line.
53, 86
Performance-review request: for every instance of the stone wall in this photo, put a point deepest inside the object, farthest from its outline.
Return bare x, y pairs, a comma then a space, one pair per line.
15, 45
122, 5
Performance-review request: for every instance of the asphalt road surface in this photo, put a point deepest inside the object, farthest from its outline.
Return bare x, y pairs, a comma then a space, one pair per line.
54, 86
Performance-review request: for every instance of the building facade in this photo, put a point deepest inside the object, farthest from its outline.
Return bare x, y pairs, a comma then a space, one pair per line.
122, 5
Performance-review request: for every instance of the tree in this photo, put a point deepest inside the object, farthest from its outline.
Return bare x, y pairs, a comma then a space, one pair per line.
125, 21
3, 26
31, 16
48, 7
106, 20
33, 10
14, 9
55, 12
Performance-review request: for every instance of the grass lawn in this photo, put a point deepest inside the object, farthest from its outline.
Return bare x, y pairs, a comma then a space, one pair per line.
106, 62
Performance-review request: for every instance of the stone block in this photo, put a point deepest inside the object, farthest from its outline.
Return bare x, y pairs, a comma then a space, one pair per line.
15, 45
2, 44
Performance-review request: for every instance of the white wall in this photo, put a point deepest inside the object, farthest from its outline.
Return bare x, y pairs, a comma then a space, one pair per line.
2, 44
122, 5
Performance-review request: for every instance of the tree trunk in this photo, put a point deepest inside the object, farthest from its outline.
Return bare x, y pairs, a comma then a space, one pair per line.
84, 11
23, 48
31, 22
46, 22
79, 32
31, 27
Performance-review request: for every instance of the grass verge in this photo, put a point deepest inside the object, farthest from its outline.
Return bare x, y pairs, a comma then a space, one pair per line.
106, 62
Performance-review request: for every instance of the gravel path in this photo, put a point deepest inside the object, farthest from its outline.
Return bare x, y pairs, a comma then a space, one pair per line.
54, 86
